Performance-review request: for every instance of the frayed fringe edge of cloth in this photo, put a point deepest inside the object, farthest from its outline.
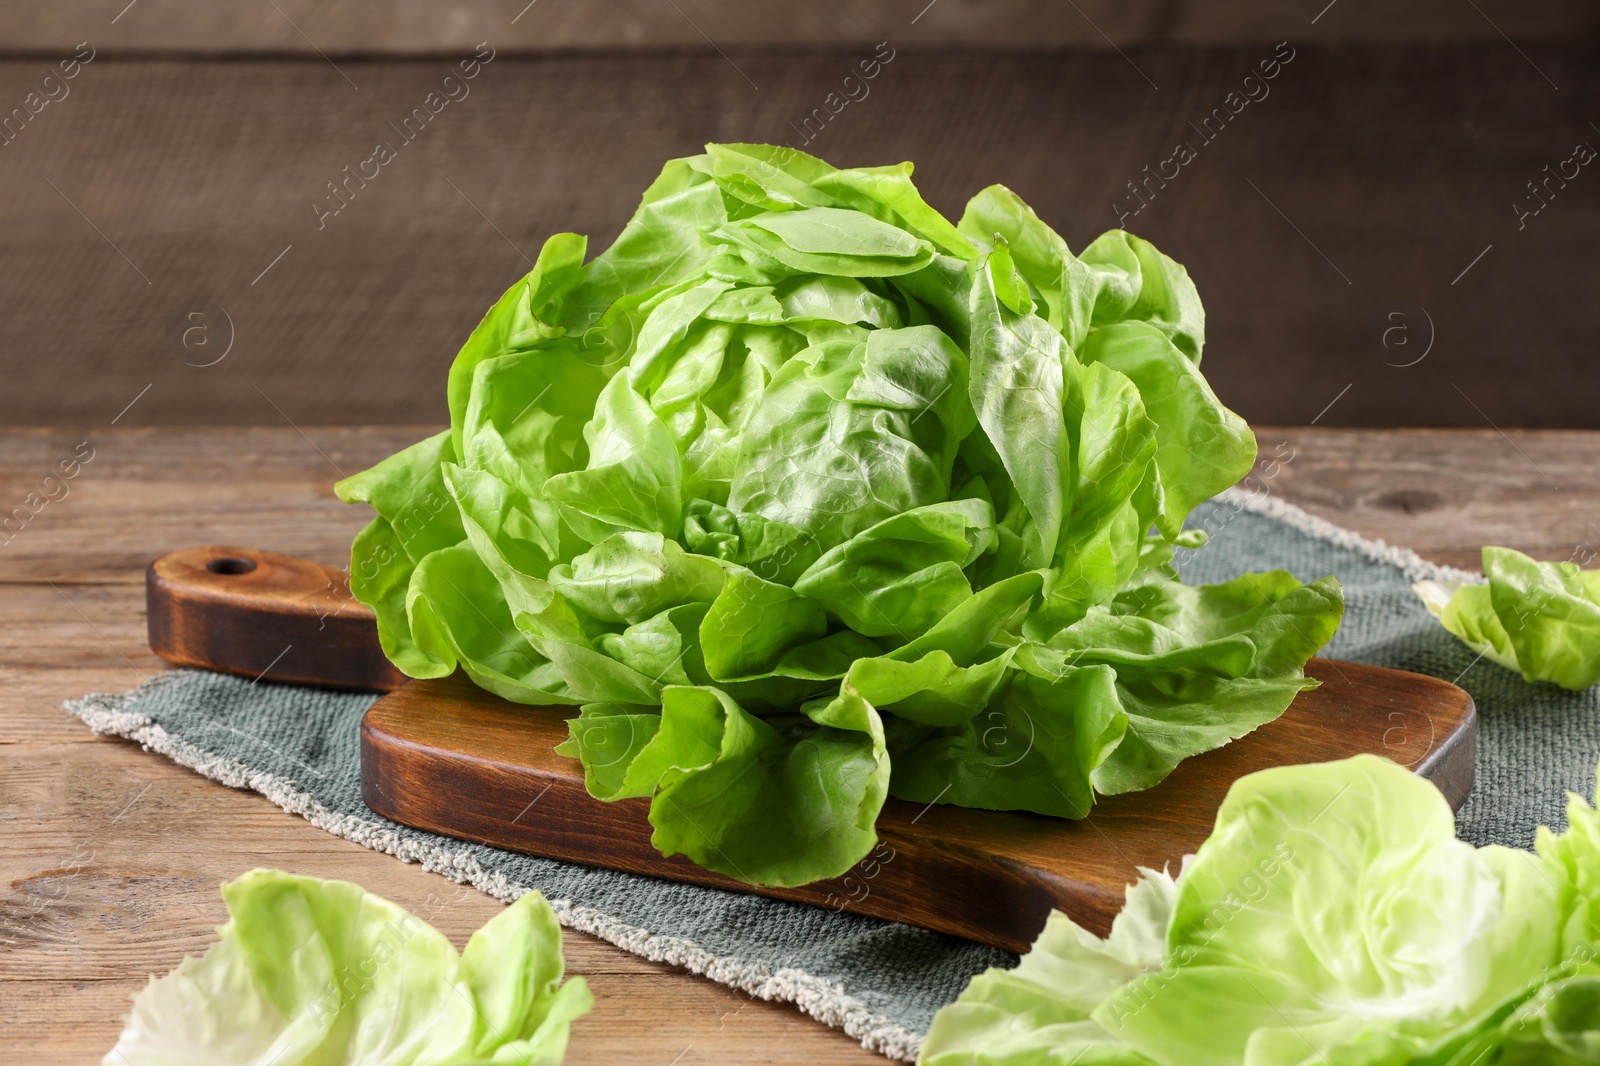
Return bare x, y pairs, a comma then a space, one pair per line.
1408, 562
824, 1000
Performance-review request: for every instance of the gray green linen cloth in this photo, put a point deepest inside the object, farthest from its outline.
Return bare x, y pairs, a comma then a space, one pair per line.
879, 981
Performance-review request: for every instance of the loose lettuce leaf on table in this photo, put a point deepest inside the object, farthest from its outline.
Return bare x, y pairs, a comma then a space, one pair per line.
806, 494
308, 971
1041, 1011
1331, 917
1540, 619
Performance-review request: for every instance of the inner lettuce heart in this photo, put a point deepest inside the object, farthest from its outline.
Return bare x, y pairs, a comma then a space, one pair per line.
808, 497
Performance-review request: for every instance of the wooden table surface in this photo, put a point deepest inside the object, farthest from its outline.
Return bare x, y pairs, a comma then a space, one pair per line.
110, 857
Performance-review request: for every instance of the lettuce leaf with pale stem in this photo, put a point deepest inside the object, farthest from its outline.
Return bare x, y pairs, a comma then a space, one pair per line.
1540, 619
1331, 917
307, 971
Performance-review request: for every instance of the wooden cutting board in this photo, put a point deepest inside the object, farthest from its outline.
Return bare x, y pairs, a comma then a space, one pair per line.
447, 757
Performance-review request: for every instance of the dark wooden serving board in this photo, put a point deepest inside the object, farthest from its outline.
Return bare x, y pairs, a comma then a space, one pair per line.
448, 757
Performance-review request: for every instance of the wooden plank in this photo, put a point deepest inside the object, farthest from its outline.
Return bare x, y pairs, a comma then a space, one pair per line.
143, 491
110, 872
1400, 166
409, 26
1444, 494
31, 698
99, 627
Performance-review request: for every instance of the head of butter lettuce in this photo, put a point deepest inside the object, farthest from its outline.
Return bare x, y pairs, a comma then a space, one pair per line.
308, 971
1540, 619
1332, 919
809, 496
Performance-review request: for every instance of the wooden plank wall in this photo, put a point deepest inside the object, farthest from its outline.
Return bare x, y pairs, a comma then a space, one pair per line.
350, 27
1364, 204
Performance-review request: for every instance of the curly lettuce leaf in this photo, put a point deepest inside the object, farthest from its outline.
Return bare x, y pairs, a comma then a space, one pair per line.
1041, 1011
1035, 748
1540, 619
745, 796
1199, 666
1201, 446
1018, 391
901, 576
1373, 914
1138, 283
1331, 917
310, 971
1560, 1026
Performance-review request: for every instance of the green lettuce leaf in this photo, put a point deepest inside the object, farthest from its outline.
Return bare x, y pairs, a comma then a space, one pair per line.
1331, 917
309, 971
1198, 667
799, 476
1035, 748
1041, 1011
1541, 619
1558, 1027
1201, 446
737, 793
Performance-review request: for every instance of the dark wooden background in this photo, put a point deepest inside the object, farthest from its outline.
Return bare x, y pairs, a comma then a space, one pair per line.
1366, 202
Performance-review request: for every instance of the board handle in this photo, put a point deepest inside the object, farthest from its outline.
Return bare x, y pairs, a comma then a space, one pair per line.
264, 616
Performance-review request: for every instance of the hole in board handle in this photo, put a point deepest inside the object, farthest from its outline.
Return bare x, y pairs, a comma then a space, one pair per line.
231, 565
